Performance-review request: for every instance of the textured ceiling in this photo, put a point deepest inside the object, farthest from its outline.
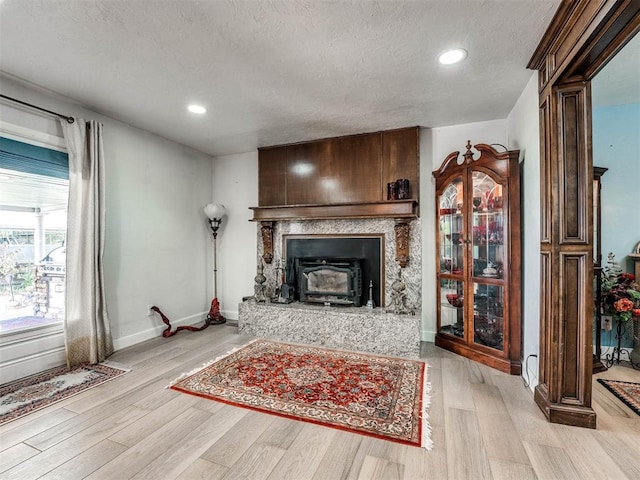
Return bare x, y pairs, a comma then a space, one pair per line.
273, 72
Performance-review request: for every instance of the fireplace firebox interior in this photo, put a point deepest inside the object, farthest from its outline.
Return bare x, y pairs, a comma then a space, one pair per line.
330, 281
335, 269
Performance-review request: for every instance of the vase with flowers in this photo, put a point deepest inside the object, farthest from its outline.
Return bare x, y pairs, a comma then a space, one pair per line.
621, 299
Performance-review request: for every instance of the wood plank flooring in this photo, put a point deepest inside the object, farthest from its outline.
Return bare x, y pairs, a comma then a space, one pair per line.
484, 423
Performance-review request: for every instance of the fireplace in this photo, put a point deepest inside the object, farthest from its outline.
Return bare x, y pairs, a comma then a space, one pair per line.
330, 281
335, 269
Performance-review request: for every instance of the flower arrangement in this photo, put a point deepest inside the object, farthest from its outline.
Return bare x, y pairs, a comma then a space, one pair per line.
620, 292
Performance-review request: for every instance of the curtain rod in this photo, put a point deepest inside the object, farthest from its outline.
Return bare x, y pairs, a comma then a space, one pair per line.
68, 119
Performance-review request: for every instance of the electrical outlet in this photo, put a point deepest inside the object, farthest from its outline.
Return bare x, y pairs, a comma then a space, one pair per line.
149, 311
606, 323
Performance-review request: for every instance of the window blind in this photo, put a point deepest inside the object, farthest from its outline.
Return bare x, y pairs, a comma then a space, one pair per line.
26, 158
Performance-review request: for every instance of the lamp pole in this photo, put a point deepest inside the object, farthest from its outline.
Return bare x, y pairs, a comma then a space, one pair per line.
215, 214
214, 231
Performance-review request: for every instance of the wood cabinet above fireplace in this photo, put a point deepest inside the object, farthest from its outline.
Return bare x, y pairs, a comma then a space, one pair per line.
343, 177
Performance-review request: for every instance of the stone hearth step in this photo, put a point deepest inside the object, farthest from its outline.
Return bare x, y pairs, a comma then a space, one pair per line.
349, 328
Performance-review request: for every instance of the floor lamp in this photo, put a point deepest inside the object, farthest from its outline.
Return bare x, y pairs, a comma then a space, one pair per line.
215, 214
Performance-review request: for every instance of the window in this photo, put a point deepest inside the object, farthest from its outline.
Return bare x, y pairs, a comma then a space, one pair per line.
33, 204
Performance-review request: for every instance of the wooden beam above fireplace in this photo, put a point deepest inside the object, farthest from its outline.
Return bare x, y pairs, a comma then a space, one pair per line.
384, 209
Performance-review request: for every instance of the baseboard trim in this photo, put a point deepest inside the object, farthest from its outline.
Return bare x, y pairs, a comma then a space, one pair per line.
533, 381
230, 315
428, 336
31, 364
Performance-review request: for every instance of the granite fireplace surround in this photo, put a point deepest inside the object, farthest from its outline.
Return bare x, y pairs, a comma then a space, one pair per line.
351, 328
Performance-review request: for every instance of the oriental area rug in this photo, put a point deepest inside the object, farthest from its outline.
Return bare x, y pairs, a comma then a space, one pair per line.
383, 397
628, 392
43, 389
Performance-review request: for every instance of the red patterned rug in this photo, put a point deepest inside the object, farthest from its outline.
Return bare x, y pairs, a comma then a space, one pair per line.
628, 392
43, 389
379, 396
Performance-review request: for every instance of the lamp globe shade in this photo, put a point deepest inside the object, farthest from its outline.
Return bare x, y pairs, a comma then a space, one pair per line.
214, 211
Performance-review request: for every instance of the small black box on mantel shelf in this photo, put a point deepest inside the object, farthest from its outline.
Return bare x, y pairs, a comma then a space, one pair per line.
402, 189
392, 193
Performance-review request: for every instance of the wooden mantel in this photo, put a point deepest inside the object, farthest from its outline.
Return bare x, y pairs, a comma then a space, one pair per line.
383, 209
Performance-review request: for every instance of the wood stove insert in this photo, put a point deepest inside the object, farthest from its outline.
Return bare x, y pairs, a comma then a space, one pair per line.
330, 281
363, 255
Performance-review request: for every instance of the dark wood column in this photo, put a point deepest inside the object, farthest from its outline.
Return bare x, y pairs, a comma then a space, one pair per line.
564, 392
582, 37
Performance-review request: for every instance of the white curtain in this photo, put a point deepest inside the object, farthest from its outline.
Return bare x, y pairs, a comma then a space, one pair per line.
87, 331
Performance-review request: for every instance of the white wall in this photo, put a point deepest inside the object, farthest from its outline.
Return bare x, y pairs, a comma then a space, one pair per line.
157, 247
454, 138
523, 131
428, 221
235, 185
435, 145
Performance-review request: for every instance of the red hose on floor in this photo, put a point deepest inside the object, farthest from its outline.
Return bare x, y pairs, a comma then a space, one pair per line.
213, 318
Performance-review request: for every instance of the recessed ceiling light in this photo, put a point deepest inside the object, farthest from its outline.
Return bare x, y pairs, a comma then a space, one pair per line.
452, 56
196, 109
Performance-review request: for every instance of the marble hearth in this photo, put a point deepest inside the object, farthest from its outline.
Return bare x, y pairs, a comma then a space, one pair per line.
348, 328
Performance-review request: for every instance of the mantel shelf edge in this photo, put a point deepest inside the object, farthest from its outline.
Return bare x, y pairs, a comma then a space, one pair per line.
389, 209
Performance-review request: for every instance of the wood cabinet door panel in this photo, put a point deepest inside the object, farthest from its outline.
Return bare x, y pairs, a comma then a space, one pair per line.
272, 164
400, 159
354, 173
338, 170
302, 167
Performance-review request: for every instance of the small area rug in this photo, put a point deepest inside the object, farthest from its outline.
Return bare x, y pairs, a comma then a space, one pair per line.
43, 389
628, 392
383, 397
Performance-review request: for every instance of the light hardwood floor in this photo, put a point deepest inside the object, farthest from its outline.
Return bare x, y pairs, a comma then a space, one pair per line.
485, 425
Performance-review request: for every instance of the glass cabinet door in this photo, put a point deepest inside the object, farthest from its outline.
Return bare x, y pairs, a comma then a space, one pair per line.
451, 225
487, 237
451, 248
487, 252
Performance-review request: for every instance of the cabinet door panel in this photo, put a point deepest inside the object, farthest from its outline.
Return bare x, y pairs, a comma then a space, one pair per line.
355, 169
339, 170
303, 165
272, 163
400, 159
